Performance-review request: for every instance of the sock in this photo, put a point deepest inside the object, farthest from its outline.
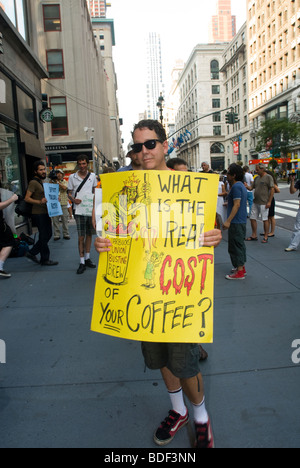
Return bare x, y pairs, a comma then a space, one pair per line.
200, 413
178, 402
1, 266
82, 260
87, 256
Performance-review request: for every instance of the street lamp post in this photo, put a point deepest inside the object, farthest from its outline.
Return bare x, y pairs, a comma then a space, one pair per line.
160, 106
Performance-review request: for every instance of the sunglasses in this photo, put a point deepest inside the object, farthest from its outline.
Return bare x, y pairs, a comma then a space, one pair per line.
150, 145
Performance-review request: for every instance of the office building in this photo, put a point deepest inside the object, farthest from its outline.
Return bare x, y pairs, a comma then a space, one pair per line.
201, 93
21, 72
98, 8
155, 84
223, 24
274, 64
76, 88
235, 88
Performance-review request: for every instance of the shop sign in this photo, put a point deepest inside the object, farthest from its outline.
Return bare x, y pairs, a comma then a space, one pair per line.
47, 115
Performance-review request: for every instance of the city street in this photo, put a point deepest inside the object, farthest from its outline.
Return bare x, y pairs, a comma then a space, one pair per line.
64, 386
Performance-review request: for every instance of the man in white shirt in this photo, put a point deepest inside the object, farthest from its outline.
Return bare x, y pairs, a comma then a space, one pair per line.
83, 182
249, 181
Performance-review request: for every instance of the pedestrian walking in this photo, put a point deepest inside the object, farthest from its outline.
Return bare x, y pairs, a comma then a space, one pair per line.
295, 241
249, 181
236, 222
272, 219
64, 201
264, 192
80, 183
178, 363
6, 236
35, 196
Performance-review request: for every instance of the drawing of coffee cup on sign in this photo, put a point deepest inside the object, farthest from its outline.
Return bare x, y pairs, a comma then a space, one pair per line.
124, 219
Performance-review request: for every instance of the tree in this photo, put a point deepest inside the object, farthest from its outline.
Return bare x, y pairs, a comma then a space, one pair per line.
278, 136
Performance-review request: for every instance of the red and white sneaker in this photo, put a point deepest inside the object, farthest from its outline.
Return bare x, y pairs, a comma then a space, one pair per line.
204, 436
234, 270
169, 427
238, 275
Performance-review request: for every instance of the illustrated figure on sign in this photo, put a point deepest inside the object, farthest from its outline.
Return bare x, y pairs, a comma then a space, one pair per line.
153, 262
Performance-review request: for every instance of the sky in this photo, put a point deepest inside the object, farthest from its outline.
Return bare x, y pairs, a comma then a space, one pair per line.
182, 25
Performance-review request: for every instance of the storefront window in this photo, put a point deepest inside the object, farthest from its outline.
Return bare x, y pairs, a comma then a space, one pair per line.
6, 97
9, 160
16, 11
26, 110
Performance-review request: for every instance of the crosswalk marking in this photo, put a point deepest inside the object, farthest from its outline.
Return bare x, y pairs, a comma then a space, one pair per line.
281, 206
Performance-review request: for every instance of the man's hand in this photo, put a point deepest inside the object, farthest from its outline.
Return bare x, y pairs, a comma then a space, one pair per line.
226, 225
211, 238
102, 245
77, 201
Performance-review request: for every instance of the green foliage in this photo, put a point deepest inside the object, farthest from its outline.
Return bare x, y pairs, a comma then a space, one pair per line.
277, 136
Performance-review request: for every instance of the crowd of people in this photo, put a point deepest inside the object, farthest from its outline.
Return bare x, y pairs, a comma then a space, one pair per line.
179, 363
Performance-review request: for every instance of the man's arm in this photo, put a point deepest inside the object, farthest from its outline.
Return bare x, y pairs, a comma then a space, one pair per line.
293, 189
31, 201
272, 193
234, 212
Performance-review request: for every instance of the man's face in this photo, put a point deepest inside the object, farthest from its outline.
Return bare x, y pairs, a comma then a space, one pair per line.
260, 171
205, 167
41, 172
134, 158
82, 166
151, 159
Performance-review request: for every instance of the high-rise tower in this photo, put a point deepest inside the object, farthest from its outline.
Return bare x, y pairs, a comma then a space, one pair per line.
98, 8
155, 85
223, 24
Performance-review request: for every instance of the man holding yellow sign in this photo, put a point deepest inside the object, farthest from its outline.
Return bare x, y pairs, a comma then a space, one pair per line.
156, 274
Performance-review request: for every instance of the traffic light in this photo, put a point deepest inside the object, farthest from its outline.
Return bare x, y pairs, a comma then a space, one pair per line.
232, 118
229, 118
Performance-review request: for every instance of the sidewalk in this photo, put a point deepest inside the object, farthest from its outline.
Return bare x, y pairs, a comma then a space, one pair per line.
64, 386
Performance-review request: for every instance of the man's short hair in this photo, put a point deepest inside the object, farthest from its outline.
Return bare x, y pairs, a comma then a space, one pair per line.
83, 157
153, 125
176, 162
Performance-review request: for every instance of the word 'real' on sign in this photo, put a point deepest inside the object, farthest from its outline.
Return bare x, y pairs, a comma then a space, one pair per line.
157, 282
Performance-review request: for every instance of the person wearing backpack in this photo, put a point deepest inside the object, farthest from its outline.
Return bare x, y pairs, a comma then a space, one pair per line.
35, 196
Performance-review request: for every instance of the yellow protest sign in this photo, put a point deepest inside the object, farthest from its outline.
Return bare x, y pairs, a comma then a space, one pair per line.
157, 283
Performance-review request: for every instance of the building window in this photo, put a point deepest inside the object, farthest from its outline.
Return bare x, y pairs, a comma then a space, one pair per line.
216, 103
215, 70
26, 110
55, 64
17, 13
217, 130
217, 148
60, 121
216, 89
52, 19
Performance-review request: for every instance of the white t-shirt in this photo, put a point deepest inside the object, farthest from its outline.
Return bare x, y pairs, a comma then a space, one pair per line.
249, 179
75, 181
